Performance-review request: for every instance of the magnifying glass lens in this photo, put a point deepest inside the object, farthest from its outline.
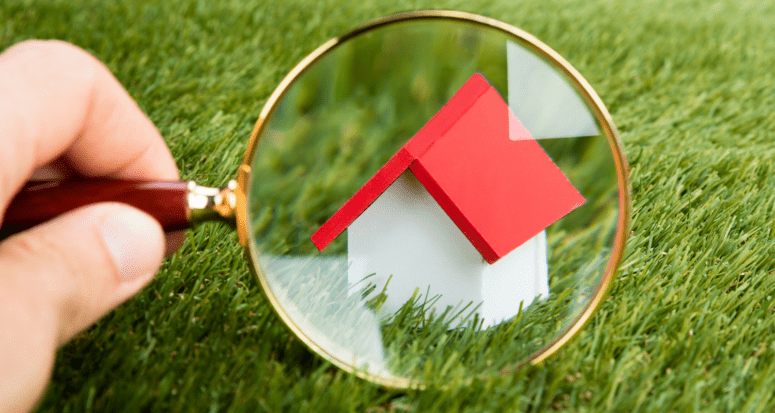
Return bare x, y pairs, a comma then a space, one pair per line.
434, 197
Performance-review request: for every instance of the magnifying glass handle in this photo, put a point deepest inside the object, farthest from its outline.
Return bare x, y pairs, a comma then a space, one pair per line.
176, 205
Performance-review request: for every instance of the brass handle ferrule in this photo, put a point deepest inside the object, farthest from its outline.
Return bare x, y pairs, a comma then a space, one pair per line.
211, 204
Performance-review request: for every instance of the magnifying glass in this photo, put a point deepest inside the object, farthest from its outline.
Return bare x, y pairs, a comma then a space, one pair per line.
433, 194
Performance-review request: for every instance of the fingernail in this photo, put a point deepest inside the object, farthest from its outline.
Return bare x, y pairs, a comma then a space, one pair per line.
135, 242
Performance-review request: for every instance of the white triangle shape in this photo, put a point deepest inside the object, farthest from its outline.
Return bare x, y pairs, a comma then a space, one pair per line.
543, 100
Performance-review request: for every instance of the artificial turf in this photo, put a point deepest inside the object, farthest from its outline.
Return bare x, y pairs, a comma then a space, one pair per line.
689, 322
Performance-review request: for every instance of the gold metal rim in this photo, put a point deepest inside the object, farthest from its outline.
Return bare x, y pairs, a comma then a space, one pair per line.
594, 101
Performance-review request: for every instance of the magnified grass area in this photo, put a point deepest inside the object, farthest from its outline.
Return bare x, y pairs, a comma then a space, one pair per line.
688, 325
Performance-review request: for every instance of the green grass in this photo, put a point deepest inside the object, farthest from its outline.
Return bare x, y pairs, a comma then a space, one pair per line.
689, 323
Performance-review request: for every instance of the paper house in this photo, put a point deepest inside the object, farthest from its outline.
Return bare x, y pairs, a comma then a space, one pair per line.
459, 212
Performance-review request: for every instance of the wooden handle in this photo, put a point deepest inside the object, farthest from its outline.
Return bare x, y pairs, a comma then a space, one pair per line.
40, 201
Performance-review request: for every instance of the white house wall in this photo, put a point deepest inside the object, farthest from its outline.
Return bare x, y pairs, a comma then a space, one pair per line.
519, 277
406, 234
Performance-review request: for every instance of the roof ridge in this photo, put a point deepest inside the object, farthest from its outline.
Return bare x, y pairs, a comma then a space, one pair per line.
460, 103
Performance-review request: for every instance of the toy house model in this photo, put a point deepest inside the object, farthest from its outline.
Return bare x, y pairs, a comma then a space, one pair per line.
458, 213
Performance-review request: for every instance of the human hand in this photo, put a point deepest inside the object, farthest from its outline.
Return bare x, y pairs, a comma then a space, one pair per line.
61, 113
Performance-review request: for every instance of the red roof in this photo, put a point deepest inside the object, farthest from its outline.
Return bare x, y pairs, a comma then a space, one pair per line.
483, 168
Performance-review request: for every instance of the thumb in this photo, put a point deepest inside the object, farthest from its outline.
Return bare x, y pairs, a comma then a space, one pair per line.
83, 264
58, 278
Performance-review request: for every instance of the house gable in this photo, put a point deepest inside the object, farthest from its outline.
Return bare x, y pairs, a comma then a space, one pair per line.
482, 167
463, 99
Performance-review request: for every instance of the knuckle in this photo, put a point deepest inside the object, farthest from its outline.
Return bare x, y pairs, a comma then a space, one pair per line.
46, 49
49, 55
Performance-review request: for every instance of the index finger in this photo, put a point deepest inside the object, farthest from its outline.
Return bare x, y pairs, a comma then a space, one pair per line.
59, 102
